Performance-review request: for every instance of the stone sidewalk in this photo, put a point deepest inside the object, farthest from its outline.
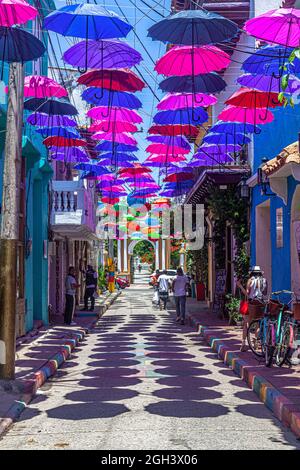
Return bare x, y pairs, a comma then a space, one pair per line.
278, 388
38, 356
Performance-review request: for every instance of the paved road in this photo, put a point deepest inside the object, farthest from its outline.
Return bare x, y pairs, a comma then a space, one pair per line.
141, 381
142, 277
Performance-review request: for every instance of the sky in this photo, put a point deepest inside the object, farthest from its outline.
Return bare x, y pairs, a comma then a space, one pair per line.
141, 17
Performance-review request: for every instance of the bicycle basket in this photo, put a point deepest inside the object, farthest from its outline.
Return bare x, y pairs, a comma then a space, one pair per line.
296, 311
274, 307
256, 309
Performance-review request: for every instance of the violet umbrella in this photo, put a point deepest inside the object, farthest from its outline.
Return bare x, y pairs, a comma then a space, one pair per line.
192, 60
14, 12
270, 60
218, 148
71, 153
238, 139
46, 120
280, 26
58, 131
194, 116
62, 157
112, 126
115, 147
186, 100
166, 149
38, 86
213, 160
177, 141
164, 159
120, 138
250, 116
269, 83
103, 97
120, 156
204, 83
114, 114
116, 162
234, 128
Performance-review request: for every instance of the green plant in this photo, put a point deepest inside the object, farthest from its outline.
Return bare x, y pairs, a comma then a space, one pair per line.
102, 284
232, 306
241, 265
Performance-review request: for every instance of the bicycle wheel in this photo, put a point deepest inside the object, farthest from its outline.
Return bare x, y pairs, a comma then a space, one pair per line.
269, 346
283, 347
255, 337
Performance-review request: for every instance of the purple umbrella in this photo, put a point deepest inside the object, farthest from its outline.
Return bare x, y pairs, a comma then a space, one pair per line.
119, 156
214, 160
193, 116
269, 83
69, 158
45, 120
175, 141
103, 54
74, 154
220, 148
115, 162
226, 138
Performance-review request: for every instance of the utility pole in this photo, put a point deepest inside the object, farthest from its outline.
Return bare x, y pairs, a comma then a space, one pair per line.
9, 233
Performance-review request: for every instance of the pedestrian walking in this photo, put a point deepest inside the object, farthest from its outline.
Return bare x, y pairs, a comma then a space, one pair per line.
71, 285
91, 280
179, 287
163, 288
256, 288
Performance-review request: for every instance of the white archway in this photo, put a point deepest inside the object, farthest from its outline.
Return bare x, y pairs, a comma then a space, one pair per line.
133, 243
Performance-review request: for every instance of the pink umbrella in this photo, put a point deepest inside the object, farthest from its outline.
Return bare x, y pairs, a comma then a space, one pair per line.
38, 86
120, 138
166, 149
186, 100
107, 126
245, 115
114, 114
192, 60
280, 26
16, 12
165, 158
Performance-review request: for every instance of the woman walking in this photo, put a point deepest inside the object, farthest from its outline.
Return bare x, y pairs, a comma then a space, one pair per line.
179, 287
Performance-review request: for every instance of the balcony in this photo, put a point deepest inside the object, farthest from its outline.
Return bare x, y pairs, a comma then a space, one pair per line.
73, 212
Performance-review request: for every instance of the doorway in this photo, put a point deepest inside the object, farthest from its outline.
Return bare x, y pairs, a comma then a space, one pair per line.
263, 240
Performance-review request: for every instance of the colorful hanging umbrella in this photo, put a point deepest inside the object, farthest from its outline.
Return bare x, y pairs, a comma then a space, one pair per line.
138, 169
248, 98
181, 116
102, 54
166, 149
102, 97
38, 86
88, 21
218, 148
119, 156
70, 153
280, 26
186, 100
68, 132
238, 139
110, 200
115, 163
46, 120
17, 45
58, 141
234, 128
270, 60
193, 27
211, 161
192, 60
112, 126
172, 130
250, 116
114, 114
112, 79
120, 138
115, 147
91, 168
16, 12
164, 159
177, 141
178, 177
269, 83
61, 157
205, 83
50, 106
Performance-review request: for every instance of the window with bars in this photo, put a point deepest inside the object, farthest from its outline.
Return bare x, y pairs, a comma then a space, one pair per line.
279, 227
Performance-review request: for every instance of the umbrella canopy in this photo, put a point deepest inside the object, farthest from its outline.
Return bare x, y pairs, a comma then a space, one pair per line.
113, 146
238, 139
164, 159
51, 106
177, 141
62, 157
250, 116
70, 153
88, 21
137, 170
102, 54
114, 114
124, 138
38, 86
110, 200
112, 79
103, 97
213, 149
269, 83
178, 177
269, 60
158, 148
211, 161
91, 168
234, 128
68, 132
115, 162
59, 141
193, 27
112, 126
186, 100
17, 45
191, 60
181, 116
172, 130
120, 156
248, 98
205, 83
16, 12
280, 26
46, 120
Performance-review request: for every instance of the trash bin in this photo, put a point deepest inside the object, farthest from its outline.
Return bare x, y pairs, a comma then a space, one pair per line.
200, 291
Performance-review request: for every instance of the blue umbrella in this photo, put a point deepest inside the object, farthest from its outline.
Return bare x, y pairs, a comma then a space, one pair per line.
213, 160
91, 168
103, 97
204, 83
269, 60
225, 138
181, 116
183, 184
51, 106
220, 148
193, 27
111, 146
269, 83
119, 156
71, 153
88, 21
58, 131
17, 45
175, 141
114, 162
234, 128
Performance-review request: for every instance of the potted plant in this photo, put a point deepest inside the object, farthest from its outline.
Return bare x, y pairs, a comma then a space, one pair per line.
232, 306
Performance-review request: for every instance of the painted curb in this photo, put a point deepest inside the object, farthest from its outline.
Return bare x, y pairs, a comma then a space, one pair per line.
285, 410
29, 387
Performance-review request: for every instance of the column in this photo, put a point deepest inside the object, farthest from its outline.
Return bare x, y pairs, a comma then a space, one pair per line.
125, 256
163, 254
119, 256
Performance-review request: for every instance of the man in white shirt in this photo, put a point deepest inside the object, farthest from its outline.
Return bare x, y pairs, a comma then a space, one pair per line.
71, 285
179, 287
163, 288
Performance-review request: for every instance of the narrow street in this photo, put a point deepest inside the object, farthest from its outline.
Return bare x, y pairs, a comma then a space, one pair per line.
141, 381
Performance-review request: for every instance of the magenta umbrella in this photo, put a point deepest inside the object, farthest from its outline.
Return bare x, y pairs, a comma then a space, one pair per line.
192, 60
245, 115
120, 138
280, 26
14, 12
166, 149
186, 100
38, 86
165, 158
114, 114
108, 126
